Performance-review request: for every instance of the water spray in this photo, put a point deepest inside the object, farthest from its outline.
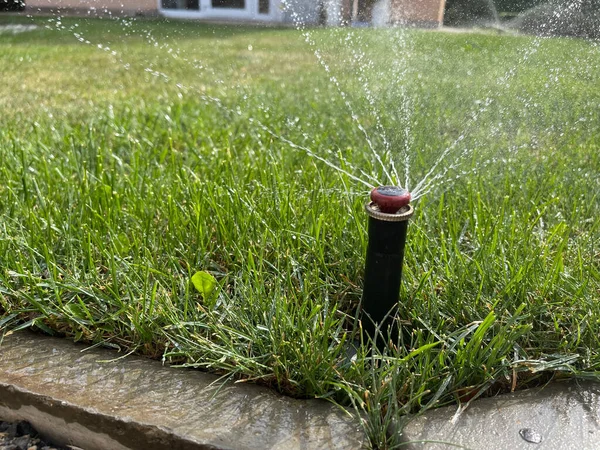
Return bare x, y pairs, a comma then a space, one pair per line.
389, 211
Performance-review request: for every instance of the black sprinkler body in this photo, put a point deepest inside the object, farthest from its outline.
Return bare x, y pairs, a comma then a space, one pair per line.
389, 211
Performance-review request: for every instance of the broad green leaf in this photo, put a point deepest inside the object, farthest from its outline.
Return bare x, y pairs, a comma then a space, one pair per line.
204, 283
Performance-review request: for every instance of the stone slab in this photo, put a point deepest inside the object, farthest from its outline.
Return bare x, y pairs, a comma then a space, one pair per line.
84, 397
559, 416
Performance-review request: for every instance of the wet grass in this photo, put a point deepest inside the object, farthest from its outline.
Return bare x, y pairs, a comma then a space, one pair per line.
122, 174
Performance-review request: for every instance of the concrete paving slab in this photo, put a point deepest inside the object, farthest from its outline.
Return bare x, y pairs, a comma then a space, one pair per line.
559, 416
73, 396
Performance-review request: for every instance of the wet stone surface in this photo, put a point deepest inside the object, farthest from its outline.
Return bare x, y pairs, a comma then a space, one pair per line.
561, 415
89, 398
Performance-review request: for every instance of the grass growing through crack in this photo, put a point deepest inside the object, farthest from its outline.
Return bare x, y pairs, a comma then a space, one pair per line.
126, 168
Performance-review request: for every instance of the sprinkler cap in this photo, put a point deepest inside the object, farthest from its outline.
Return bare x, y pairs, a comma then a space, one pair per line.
390, 199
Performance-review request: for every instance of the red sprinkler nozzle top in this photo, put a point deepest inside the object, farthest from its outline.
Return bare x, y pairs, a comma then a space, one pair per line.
390, 199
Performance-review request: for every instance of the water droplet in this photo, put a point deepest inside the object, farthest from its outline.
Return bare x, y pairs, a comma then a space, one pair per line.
530, 435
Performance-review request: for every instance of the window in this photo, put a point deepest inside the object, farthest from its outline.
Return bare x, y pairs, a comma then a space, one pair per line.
230, 4
263, 6
181, 4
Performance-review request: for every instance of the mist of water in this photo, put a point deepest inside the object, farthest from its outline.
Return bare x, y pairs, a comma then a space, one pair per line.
579, 18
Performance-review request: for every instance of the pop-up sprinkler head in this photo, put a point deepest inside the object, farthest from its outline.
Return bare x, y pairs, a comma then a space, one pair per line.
390, 199
388, 212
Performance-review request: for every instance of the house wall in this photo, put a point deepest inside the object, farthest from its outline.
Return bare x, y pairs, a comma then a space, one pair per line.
337, 12
429, 13
145, 7
301, 11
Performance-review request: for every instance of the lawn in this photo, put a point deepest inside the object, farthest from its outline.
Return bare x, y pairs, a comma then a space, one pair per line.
135, 153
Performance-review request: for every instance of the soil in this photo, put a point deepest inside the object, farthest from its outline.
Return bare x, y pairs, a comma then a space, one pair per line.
22, 436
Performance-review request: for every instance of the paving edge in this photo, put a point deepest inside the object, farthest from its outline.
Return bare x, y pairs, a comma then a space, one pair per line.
68, 424
561, 415
73, 396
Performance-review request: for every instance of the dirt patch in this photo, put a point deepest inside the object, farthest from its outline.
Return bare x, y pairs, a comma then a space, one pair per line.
22, 436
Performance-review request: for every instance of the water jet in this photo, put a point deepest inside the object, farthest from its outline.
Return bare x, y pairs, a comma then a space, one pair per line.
389, 211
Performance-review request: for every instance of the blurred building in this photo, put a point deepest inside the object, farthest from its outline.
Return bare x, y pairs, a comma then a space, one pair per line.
423, 13
330, 12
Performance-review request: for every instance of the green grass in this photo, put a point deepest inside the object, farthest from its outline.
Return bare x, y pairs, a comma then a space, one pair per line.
121, 175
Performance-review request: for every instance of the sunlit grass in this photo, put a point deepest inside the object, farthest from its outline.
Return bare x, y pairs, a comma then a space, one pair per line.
123, 174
